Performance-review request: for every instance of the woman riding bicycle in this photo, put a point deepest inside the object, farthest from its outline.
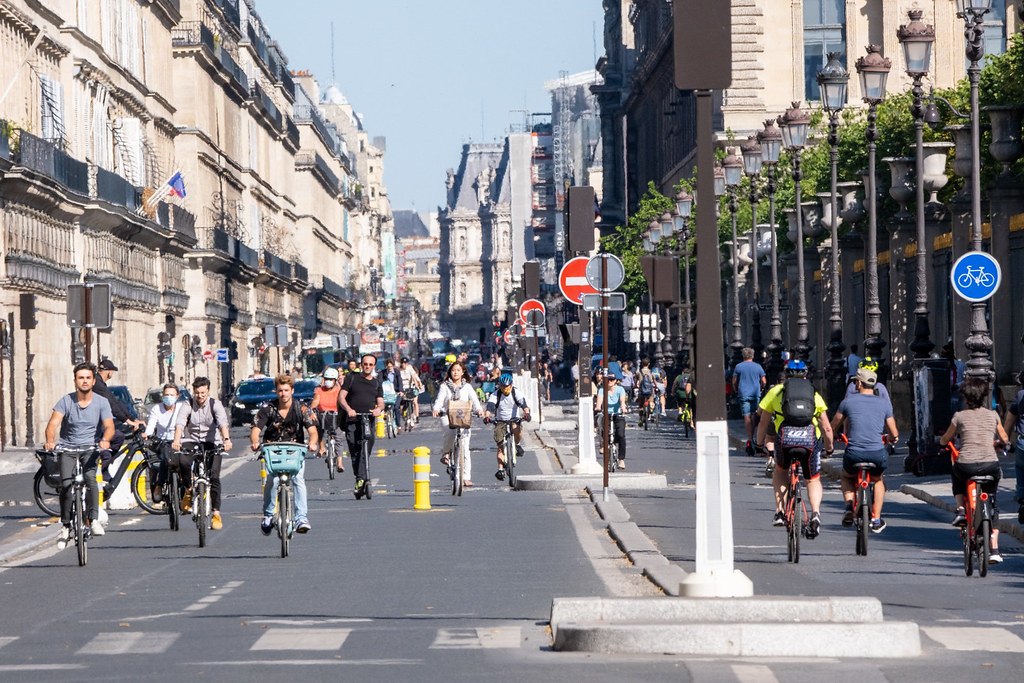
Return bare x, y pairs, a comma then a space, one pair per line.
505, 405
976, 426
456, 388
325, 406
161, 424
617, 410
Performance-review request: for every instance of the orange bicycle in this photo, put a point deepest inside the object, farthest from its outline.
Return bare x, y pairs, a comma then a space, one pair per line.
976, 532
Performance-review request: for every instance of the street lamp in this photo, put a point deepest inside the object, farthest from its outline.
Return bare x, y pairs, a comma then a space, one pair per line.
684, 209
873, 69
771, 147
832, 82
794, 124
917, 40
979, 343
752, 162
732, 165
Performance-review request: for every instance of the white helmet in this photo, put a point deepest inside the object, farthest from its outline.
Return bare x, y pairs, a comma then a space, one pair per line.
331, 373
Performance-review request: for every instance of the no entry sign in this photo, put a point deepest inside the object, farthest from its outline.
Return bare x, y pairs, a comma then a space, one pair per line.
529, 305
572, 280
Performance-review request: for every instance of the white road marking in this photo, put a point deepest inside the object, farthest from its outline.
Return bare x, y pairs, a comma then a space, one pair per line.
41, 667
750, 673
7, 640
136, 642
302, 639
502, 637
307, 662
130, 522
968, 638
313, 622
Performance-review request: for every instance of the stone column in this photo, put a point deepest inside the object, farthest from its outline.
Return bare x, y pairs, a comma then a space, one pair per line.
1006, 197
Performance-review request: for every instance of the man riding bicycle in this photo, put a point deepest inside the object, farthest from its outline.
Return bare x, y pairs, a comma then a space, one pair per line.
391, 382
412, 385
360, 393
802, 428
325, 407
81, 417
201, 421
645, 386
505, 405
284, 419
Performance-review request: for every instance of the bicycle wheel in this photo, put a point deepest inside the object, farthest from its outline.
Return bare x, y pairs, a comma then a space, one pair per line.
794, 528
81, 539
173, 501
965, 536
332, 464
460, 459
201, 509
46, 497
141, 489
643, 417
984, 545
510, 460
366, 468
865, 525
284, 516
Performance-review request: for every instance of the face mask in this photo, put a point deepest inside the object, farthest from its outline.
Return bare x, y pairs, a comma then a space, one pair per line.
328, 383
170, 400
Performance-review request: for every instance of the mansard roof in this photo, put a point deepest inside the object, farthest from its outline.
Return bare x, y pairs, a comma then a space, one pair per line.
477, 158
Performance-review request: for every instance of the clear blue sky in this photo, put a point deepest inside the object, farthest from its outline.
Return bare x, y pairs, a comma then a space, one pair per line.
431, 76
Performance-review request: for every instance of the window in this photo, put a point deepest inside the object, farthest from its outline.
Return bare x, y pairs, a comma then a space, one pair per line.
995, 30
51, 109
824, 32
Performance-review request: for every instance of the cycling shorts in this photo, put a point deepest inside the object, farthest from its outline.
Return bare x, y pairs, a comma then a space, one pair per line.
809, 459
879, 458
964, 471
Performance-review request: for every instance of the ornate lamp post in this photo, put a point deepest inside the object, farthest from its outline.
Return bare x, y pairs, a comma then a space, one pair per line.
979, 343
917, 40
666, 351
874, 70
832, 82
733, 168
771, 147
794, 124
684, 209
752, 162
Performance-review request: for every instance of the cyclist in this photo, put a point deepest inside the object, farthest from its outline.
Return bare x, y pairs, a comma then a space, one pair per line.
106, 370
644, 385
162, 421
504, 404
361, 393
1014, 420
868, 363
284, 419
660, 387
976, 426
81, 417
864, 417
391, 384
617, 410
802, 428
325, 407
353, 367
748, 382
201, 420
686, 395
456, 388
412, 385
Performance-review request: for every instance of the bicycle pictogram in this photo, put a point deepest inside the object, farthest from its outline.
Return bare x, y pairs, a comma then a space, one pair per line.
976, 276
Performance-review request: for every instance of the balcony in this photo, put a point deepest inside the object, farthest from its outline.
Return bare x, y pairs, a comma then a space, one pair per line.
43, 156
231, 13
300, 272
231, 66
112, 188
307, 114
219, 242
292, 132
192, 33
277, 265
266, 105
320, 168
335, 290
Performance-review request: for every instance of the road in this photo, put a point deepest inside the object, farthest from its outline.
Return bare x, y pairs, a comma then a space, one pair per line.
463, 591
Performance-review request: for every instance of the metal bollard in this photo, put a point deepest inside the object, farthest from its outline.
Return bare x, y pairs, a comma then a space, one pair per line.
380, 426
421, 477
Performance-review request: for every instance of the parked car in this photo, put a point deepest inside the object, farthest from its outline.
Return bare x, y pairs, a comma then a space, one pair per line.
155, 395
304, 390
250, 394
122, 394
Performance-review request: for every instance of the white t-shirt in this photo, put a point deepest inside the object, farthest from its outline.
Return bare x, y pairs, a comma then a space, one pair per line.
162, 421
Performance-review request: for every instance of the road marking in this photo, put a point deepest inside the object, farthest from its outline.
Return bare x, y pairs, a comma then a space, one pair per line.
203, 603
136, 642
41, 667
302, 639
130, 522
307, 662
504, 637
312, 622
967, 638
749, 673
7, 640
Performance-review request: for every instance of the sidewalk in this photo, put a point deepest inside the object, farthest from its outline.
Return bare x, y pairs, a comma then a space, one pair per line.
18, 460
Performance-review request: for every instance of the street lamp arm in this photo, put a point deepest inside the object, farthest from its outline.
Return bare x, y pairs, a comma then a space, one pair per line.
931, 114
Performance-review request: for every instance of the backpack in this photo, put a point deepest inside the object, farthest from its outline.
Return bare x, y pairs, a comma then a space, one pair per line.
797, 402
646, 384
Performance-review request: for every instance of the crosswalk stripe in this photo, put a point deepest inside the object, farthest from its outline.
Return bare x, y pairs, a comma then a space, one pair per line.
477, 638
972, 638
137, 642
7, 640
749, 673
302, 639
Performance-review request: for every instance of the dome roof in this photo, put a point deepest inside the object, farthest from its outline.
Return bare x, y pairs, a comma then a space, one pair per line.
332, 95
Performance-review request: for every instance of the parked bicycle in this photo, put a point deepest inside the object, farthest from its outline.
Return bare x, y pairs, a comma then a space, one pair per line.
284, 460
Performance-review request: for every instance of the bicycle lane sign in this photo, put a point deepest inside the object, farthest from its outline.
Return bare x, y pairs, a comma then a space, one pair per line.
975, 276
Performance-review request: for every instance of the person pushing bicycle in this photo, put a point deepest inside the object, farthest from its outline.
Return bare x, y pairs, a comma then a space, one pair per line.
81, 417
360, 393
284, 419
504, 404
201, 421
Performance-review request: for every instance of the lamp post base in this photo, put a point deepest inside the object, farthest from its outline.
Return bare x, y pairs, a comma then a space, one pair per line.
728, 584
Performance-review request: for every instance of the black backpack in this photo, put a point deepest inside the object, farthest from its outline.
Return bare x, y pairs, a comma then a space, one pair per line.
646, 385
797, 402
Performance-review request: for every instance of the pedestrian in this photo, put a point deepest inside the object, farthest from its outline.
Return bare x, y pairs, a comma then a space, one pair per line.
748, 381
976, 426
575, 372
852, 362
1014, 421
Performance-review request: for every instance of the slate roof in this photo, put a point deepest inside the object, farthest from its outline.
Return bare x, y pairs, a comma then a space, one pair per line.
409, 223
476, 158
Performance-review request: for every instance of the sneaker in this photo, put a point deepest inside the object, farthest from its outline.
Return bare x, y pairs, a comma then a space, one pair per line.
444, 460
302, 525
815, 525
877, 525
960, 519
500, 474
96, 528
519, 451
622, 464
779, 519
267, 525
64, 538
158, 493
102, 516
750, 449
186, 501
848, 517
216, 523
995, 558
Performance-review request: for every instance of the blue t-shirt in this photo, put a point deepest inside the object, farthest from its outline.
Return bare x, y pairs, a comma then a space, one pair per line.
851, 390
865, 419
852, 362
82, 427
749, 375
615, 403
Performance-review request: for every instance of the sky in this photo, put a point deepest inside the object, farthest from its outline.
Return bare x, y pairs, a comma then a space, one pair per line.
432, 75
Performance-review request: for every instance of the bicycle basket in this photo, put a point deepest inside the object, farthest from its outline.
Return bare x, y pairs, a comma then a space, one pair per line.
50, 463
283, 458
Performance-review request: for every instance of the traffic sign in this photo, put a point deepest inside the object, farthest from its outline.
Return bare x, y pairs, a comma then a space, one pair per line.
616, 301
207, 354
530, 305
572, 280
604, 265
101, 309
975, 276
222, 355
534, 317
507, 336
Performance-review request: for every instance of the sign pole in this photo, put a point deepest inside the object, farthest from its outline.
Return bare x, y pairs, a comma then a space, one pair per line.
86, 324
605, 439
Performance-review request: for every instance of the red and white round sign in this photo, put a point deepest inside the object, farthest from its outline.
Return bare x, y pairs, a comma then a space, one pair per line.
507, 336
529, 305
572, 280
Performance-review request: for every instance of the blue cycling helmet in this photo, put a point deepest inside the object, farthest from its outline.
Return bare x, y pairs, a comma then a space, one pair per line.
796, 367
505, 380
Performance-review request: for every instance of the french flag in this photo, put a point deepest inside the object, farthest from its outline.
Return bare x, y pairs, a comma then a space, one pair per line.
174, 187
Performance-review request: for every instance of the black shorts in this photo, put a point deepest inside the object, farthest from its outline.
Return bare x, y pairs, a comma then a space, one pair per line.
964, 471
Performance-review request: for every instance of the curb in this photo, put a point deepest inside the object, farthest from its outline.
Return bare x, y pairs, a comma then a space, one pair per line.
35, 540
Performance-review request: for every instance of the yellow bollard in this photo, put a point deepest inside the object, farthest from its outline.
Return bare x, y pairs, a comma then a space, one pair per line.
421, 477
380, 426
381, 453
99, 484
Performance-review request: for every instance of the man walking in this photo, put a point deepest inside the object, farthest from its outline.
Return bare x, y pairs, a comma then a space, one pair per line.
748, 381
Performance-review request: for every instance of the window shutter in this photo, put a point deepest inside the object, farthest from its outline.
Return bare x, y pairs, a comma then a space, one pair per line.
254, 150
51, 108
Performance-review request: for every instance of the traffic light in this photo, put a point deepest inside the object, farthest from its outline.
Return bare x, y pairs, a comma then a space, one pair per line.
196, 351
531, 278
163, 347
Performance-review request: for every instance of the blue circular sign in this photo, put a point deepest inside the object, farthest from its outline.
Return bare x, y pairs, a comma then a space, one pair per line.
975, 276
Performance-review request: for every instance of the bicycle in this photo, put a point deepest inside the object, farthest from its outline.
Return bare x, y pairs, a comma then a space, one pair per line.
510, 449
79, 527
365, 427
409, 417
201, 510
976, 532
327, 421
390, 428
686, 417
645, 411
865, 494
613, 446
792, 504
284, 460
457, 463
976, 276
